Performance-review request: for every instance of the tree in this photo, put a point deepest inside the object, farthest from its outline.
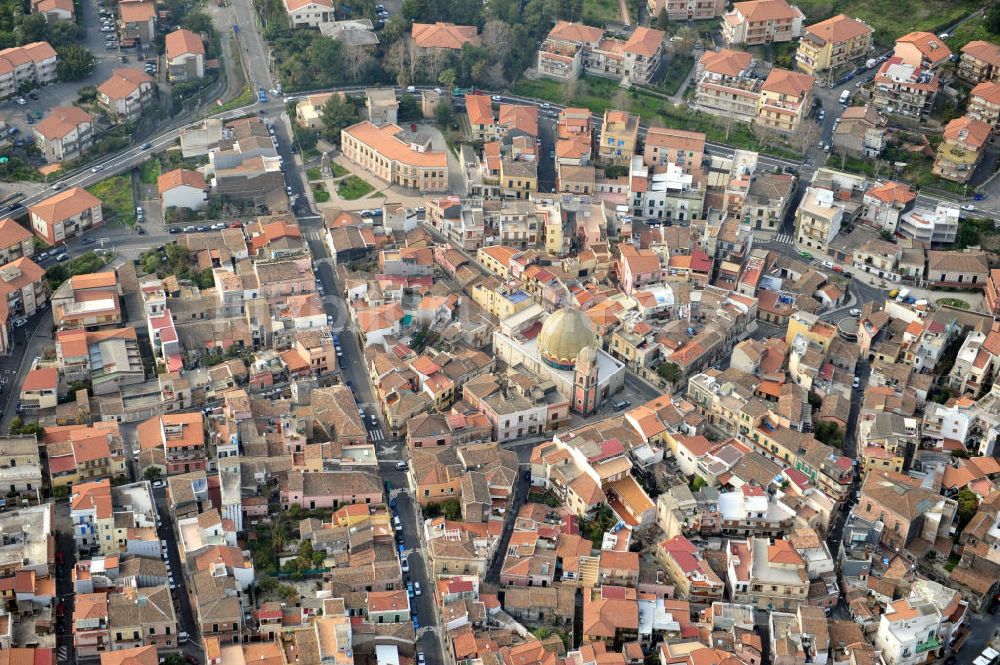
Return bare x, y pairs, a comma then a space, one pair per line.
661, 19
669, 372
33, 28
397, 60
152, 473
496, 39
886, 235
75, 63
968, 503
199, 22
409, 108
447, 78
993, 18
685, 40
829, 433
355, 58
338, 113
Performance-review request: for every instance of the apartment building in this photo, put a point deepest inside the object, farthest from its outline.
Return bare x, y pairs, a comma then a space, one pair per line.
15, 241
137, 22
922, 50
884, 204
778, 577
308, 13
785, 100
907, 633
832, 44
126, 93
619, 135
665, 192
674, 146
687, 10
979, 62
175, 441
904, 88
54, 10
83, 453
961, 149
758, 22
767, 200
726, 85
685, 567
65, 134
984, 104
571, 49
23, 290
931, 227
117, 349
408, 163
185, 56
32, 63
87, 301
65, 215
862, 132
429, 37
817, 220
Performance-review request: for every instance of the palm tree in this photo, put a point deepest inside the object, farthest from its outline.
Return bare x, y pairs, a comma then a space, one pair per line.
685, 40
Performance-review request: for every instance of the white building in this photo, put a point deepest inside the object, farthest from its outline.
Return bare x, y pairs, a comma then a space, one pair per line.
908, 633
182, 188
936, 227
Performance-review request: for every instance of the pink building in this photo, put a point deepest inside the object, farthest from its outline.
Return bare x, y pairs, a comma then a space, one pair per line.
637, 268
330, 489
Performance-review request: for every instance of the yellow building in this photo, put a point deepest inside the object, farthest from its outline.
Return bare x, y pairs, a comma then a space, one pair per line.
619, 135
784, 100
500, 300
518, 179
812, 327
833, 43
496, 259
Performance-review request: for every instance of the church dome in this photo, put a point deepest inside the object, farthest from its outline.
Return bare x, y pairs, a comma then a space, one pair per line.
564, 334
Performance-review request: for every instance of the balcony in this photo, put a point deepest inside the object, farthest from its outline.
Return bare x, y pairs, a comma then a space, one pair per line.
932, 642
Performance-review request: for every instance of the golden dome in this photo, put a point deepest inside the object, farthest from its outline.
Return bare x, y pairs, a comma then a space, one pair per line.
564, 334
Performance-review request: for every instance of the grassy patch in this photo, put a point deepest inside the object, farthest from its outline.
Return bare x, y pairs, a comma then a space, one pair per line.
677, 72
599, 94
953, 302
601, 12
893, 19
319, 193
970, 31
245, 98
353, 187
116, 196
85, 263
150, 171
337, 170
313, 173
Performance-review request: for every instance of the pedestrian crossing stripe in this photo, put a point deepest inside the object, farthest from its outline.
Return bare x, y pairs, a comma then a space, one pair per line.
784, 238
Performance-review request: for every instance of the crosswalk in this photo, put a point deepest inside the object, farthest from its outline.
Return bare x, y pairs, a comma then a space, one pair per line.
783, 238
315, 234
63, 654
376, 435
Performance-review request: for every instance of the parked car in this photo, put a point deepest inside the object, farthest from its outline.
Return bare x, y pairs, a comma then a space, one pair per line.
856, 383
855, 311
63, 257
20, 321
21, 101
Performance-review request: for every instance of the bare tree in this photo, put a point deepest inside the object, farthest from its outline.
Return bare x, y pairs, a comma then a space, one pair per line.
496, 39
686, 38
570, 90
397, 60
622, 100
355, 58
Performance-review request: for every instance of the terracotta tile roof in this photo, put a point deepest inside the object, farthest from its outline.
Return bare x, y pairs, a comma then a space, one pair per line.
384, 141
479, 109
444, 35
973, 133
295, 5
929, 45
988, 52
575, 32
766, 10
988, 91
64, 205
179, 177
123, 81
790, 83
519, 116
891, 192
53, 5
839, 28
645, 42
183, 42
137, 12
61, 121
12, 233
725, 62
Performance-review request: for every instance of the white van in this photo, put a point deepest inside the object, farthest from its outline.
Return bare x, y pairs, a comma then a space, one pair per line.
844, 96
